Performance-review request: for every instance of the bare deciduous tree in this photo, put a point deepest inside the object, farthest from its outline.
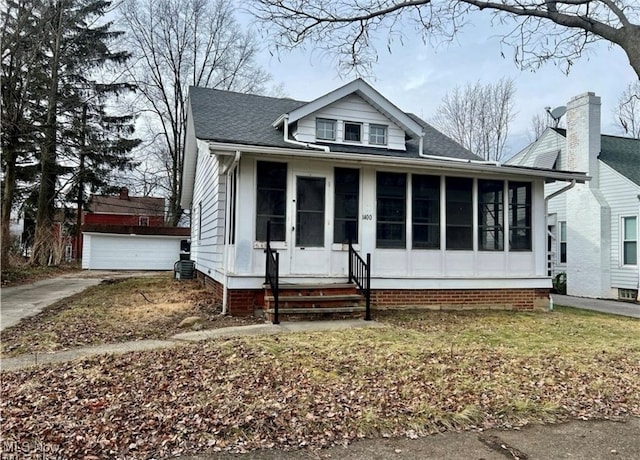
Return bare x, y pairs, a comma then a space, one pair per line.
478, 116
628, 110
179, 43
542, 30
539, 122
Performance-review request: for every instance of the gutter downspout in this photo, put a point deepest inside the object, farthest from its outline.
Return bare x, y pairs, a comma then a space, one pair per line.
227, 225
301, 144
546, 213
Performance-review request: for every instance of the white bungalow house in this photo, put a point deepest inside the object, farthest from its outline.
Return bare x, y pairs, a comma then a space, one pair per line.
593, 228
444, 228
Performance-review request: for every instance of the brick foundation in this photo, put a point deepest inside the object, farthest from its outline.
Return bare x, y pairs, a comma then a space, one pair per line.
460, 299
243, 302
240, 302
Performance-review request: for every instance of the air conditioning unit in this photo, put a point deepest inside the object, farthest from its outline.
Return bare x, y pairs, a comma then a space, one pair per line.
184, 269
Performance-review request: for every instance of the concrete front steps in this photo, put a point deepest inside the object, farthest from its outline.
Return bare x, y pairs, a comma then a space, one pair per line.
315, 302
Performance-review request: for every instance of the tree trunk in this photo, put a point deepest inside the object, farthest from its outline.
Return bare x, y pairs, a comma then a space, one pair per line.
8, 194
631, 46
44, 241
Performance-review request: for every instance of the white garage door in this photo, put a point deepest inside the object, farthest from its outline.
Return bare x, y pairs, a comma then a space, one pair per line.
108, 251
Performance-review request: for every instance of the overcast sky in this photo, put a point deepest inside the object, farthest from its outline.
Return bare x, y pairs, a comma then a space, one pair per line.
415, 77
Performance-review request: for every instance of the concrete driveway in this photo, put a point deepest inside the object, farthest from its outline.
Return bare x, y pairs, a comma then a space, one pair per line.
30, 299
613, 307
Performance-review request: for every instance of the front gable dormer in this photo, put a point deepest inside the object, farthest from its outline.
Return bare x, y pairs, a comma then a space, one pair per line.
353, 115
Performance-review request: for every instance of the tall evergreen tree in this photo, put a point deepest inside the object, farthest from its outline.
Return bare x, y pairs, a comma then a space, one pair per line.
21, 69
76, 128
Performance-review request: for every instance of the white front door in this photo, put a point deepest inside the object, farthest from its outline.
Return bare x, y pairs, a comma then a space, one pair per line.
310, 230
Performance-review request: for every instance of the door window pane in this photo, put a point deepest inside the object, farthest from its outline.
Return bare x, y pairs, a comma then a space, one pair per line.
310, 211
459, 212
271, 195
346, 205
391, 190
425, 192
490, 215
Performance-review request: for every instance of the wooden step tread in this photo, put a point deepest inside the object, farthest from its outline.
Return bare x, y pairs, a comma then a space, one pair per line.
309, 286
313, 298
289, 311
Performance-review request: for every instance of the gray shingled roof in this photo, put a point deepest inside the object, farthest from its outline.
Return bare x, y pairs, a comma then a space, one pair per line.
246, 119
620, 153
623, 155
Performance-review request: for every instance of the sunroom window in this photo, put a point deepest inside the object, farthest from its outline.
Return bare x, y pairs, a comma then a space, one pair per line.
425, 212
459, 200
347, 189
391, 190
271, 198
491, 215
519, 216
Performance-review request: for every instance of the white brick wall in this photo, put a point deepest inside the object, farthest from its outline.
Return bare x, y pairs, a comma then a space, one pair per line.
588, 213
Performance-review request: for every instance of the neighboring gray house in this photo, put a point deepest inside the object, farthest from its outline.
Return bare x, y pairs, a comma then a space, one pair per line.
594, 227
444, 228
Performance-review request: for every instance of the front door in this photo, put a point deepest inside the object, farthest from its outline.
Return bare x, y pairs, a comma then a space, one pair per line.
309, 254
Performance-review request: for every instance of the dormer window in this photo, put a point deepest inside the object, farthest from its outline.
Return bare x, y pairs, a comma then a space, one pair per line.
325, 129
377, 134
352, 131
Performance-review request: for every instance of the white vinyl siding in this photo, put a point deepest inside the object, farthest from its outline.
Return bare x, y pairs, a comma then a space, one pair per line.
355, 110
207, 233
622, 196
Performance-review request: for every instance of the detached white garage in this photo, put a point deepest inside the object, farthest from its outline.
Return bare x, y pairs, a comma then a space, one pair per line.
113, 251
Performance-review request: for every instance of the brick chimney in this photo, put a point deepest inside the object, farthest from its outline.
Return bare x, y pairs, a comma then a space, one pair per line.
587, 212
124, 193
583, 135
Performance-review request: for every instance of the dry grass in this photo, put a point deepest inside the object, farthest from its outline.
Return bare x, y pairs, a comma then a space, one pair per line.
116, 311
19, 271
423, 373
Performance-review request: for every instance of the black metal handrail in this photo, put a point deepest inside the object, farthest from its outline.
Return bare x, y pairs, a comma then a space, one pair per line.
271, 275
360, 274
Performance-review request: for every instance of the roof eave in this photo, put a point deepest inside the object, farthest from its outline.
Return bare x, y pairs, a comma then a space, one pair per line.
455, 165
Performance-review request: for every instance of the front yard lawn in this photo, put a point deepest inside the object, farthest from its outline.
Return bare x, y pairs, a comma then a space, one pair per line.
423, 373
118, 310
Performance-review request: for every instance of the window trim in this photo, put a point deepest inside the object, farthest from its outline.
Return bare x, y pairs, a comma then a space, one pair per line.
624, 240
143, 221
344, 131
562, 224
386, 134
333, 124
